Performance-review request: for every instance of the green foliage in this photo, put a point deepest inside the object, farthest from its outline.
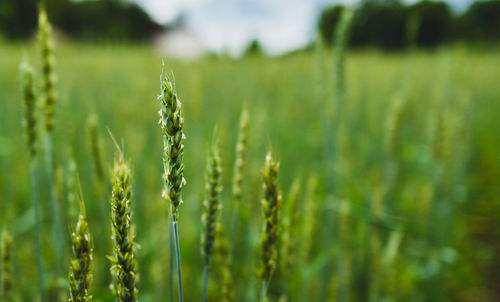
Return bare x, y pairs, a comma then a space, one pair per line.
253, 49
110, 20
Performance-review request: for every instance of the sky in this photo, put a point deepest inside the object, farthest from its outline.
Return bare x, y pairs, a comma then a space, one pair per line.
229, 25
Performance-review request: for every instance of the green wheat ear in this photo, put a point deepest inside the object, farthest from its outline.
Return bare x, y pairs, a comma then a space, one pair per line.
48, 66
211, 208
6, 253
271, 204
30, 119
241, 154
124, 264
80, 276
211, 204
172, 123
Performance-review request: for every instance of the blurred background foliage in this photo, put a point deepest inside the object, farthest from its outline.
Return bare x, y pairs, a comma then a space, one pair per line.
377, 23
95, 20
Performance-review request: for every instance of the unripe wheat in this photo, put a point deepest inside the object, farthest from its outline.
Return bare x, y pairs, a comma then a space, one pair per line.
123, 260
80, 276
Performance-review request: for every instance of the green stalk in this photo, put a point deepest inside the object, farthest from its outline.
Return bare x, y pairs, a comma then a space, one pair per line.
171, 264
263, 292
37, 237
49, 97
341, 44
177, 257
30, 122
205, 282
239, 169
54, 202
6, 253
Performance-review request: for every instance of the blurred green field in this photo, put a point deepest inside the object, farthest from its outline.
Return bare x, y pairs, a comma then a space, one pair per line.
436, 240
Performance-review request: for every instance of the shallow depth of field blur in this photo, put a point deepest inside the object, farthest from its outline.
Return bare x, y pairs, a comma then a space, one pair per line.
404, 206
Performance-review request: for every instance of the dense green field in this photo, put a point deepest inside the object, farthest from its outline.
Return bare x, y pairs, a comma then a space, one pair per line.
400, 189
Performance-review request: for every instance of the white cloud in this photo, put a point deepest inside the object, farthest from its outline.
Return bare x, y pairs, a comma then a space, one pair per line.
229, 25
164, 11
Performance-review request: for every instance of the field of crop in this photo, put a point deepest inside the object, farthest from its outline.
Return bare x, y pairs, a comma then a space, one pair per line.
391, 195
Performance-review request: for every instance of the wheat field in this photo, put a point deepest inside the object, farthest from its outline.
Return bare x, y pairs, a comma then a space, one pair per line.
397, 195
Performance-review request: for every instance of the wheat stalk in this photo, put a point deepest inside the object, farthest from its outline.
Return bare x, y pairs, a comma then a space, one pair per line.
6, 253
291, 232
123, 261
95, 147
271, 204
211, 208
49, 97
30, 122
80, 276
222, 265
239, 173
171, 123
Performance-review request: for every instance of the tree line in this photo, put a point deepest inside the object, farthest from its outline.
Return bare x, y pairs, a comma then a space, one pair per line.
389, 24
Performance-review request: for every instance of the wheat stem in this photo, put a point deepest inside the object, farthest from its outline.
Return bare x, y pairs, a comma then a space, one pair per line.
239, 169
38, 249
54, 201
177, 257
28, 94
263, 293
205, 282
49, 97
6, 253
171, 264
